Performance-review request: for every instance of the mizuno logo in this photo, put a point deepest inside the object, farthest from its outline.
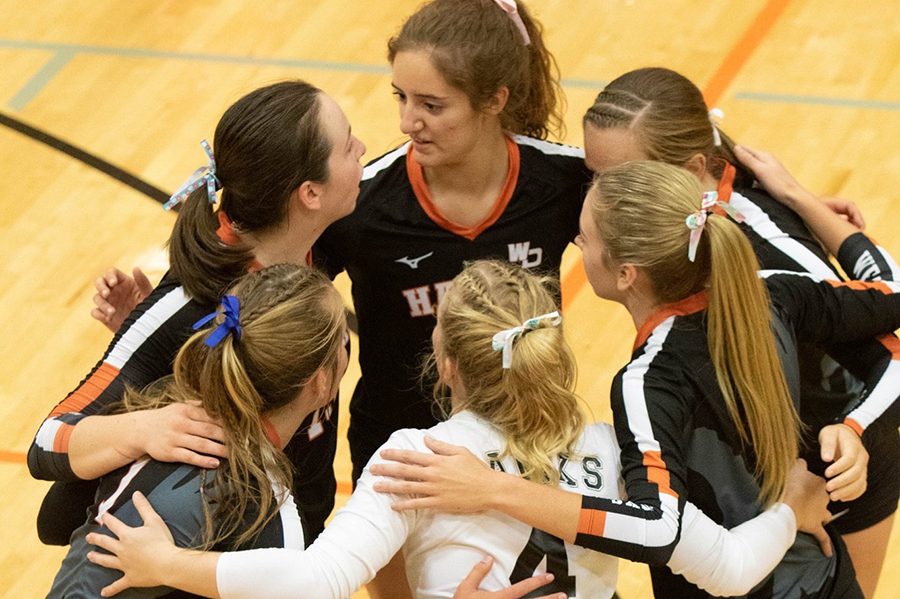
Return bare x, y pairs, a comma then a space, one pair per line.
413, 263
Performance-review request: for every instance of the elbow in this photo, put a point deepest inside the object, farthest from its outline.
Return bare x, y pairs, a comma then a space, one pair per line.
35, 464
658, 556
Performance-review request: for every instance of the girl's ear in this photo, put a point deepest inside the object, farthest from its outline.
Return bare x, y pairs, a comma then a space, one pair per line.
696, 164
626, 275
308, 195
497, 102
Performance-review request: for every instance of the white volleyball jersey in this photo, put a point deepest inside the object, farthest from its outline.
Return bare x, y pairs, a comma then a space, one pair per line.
441, 549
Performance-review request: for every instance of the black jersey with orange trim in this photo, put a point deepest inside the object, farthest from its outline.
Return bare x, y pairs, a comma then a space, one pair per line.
401, 254
177, 492
141, 352
782, 241
679, 443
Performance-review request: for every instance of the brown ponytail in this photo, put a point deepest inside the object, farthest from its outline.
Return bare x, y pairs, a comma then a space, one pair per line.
266, 145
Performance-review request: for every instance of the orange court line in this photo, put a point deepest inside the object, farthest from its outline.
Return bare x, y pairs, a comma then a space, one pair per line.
741, 51
573, 280
14, 457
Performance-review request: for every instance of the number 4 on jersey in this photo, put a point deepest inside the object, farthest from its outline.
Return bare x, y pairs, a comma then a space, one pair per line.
540, 545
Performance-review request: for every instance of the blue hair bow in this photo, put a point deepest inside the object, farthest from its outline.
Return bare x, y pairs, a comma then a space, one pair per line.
232, 322
203, 175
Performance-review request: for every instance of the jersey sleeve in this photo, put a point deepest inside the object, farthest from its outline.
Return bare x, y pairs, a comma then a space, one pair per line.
140, 353
780, 238
825, 312
651, 417
864, 260
363, 536
728, 563
855, 319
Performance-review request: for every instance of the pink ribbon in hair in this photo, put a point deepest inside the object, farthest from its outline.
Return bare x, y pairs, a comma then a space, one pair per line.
510, 8
696, 221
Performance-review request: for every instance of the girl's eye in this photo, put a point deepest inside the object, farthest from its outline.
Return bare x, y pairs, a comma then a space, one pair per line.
399, 96
433, 108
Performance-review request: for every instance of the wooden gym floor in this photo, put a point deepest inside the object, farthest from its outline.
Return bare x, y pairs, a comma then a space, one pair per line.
137, 84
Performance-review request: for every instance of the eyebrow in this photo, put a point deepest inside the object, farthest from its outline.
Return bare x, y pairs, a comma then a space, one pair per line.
420, 96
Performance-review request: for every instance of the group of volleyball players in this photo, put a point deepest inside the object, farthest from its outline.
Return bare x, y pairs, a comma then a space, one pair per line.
215, 401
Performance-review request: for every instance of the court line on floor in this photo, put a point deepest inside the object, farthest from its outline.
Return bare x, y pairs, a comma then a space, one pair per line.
817, 100
741, 52
573, 281
85, 157
63, 54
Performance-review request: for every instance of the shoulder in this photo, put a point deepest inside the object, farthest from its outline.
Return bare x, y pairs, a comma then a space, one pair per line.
552, 150
157, 327
381, 169
463, 428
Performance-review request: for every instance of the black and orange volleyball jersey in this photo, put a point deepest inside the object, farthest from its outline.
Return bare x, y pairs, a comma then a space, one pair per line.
401, 254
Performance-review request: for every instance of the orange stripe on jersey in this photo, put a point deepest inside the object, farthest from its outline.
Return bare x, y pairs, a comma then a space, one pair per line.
854, 425
689, 305
726, 186
863, 285
88, 391
420, 188
892, 343
657, 472
592, 522
61, 440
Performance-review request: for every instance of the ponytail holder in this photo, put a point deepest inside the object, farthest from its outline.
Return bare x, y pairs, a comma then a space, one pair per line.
503, 341
231, 323
697, 220
203, 175
510, 8
716, 115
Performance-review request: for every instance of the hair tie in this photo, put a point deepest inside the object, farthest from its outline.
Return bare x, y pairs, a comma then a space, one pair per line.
503, 341
231, 323
510, 8
696, 221
204, 174
716, 115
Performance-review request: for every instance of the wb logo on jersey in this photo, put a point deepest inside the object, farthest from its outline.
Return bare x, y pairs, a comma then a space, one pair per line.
524, 254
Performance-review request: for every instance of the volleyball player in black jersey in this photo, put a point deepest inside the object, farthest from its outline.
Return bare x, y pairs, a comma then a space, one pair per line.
288, 166
658, 114
260, 376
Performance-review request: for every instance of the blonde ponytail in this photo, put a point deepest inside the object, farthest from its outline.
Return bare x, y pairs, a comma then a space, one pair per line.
639, 209
532, 402
292, 326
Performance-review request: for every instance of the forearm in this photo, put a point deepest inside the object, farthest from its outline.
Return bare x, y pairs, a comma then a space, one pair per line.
100, 444
190, 570
831, 229
548, 508
731, 562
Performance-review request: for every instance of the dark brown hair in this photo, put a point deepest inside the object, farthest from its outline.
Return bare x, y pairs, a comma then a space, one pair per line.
477, 48
266, 145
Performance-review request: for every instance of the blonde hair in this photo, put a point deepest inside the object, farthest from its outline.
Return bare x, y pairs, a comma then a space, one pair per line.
639, 209
533, 402
292, 325
476, 47
668, 116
